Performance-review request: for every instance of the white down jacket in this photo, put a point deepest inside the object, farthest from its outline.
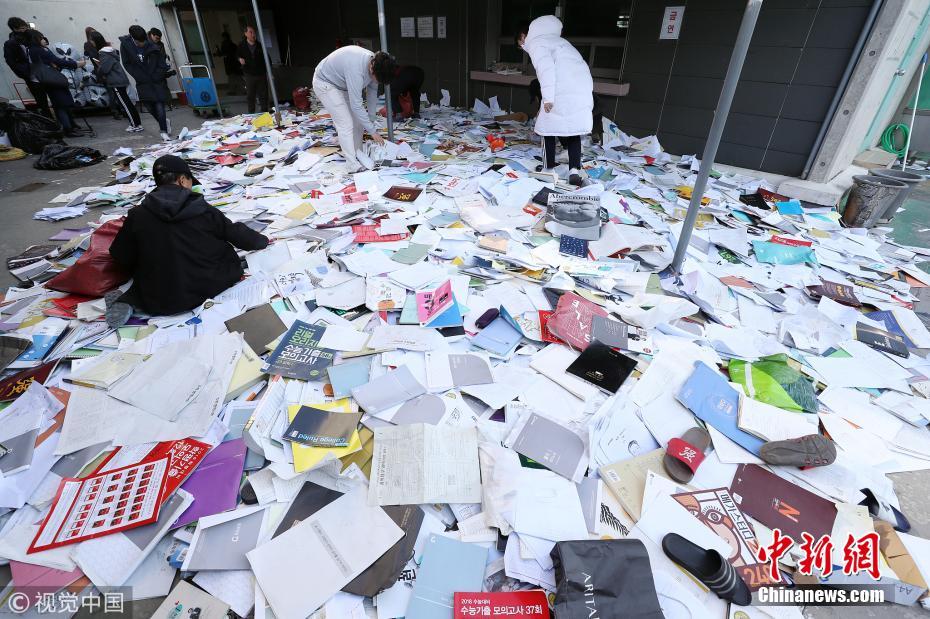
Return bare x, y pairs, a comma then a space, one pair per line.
564, 78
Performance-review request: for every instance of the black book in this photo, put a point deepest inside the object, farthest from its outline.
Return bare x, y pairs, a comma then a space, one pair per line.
602, 366
754, 199
384, 572
260, 326
310, 499
315, 427
884, 341
299, 355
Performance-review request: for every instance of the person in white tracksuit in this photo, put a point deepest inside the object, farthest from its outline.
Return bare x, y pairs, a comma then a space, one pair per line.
338, 82
566, 84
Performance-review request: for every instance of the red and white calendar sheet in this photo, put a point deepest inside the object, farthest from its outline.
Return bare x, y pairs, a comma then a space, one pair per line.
102, 504
183, 457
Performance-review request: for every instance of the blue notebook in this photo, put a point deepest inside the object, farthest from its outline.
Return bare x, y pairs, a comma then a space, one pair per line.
448, 566
345, 376
710, 397
499, 337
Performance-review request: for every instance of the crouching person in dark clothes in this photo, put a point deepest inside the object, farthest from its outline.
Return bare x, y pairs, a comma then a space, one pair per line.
178, 249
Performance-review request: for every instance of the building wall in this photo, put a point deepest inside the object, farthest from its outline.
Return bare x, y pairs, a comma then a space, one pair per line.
877, 87
64, 21
795, 61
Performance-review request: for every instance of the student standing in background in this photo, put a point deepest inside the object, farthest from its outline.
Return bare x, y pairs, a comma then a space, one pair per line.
252, 59
408, 81
230, 53
59, 95
16, 54
566, 84
109, 72
145, 62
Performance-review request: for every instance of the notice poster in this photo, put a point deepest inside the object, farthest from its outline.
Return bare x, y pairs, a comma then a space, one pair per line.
408, 28
425, 27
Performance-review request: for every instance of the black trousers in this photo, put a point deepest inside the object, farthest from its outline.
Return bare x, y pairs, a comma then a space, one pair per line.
571, 143
157, 109
124, 104
38, 93
256, 86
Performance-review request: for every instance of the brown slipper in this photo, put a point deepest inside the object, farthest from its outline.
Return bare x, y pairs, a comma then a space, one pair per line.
810, 450
684, 455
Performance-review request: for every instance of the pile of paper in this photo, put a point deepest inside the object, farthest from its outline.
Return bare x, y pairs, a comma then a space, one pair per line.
446, 365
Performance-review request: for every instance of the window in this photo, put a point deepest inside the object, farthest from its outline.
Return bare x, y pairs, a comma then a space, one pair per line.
597, 29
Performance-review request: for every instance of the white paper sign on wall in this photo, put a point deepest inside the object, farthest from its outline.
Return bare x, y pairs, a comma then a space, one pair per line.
408, 27
671, 22
425, 27
440, 27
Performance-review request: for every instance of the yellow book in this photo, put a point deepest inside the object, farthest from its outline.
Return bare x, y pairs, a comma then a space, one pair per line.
305, 458
247, 373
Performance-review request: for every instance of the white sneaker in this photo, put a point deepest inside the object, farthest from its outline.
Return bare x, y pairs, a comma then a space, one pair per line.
165, 137
139, 129
130, 129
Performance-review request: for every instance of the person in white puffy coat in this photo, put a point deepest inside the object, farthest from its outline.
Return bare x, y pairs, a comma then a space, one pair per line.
566, 84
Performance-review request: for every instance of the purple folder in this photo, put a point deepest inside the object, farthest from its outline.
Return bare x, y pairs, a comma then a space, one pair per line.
215, 483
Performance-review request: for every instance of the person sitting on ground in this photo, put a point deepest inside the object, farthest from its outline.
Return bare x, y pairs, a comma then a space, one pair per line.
178, 249
407, 82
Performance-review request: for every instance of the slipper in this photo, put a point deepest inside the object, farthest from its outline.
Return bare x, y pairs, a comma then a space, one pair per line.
809, 450
118, 314
885, 511
684, 455
111, 297
709, 567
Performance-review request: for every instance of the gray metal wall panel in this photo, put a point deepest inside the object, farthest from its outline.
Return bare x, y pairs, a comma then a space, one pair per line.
797, 56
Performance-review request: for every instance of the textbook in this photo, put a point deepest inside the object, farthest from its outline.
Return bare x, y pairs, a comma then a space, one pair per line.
299, 355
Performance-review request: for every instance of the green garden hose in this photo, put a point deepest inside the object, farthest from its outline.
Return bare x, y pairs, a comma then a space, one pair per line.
888, 139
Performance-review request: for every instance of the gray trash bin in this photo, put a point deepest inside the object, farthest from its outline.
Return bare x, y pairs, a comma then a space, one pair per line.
870, 197
908, 178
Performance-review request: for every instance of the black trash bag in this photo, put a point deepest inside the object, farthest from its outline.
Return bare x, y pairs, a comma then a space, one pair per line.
64, 157
604, 579
28, 131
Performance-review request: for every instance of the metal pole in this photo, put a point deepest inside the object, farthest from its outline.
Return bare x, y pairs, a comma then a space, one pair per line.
920, 78
743, 37
206, 58
261, 39
388, 111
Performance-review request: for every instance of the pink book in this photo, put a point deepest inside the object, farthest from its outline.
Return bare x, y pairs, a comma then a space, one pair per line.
432, 303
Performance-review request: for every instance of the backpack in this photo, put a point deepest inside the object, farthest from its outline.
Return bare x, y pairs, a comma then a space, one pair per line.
27, 130
64, 157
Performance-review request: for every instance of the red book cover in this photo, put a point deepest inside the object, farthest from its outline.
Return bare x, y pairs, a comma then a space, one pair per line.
16, 385
572, 320
514, 604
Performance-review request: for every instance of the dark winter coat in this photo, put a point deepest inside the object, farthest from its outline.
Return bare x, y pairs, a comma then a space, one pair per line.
60, 97
147, 66
14, 52
254, 57
179, 250
109, 71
